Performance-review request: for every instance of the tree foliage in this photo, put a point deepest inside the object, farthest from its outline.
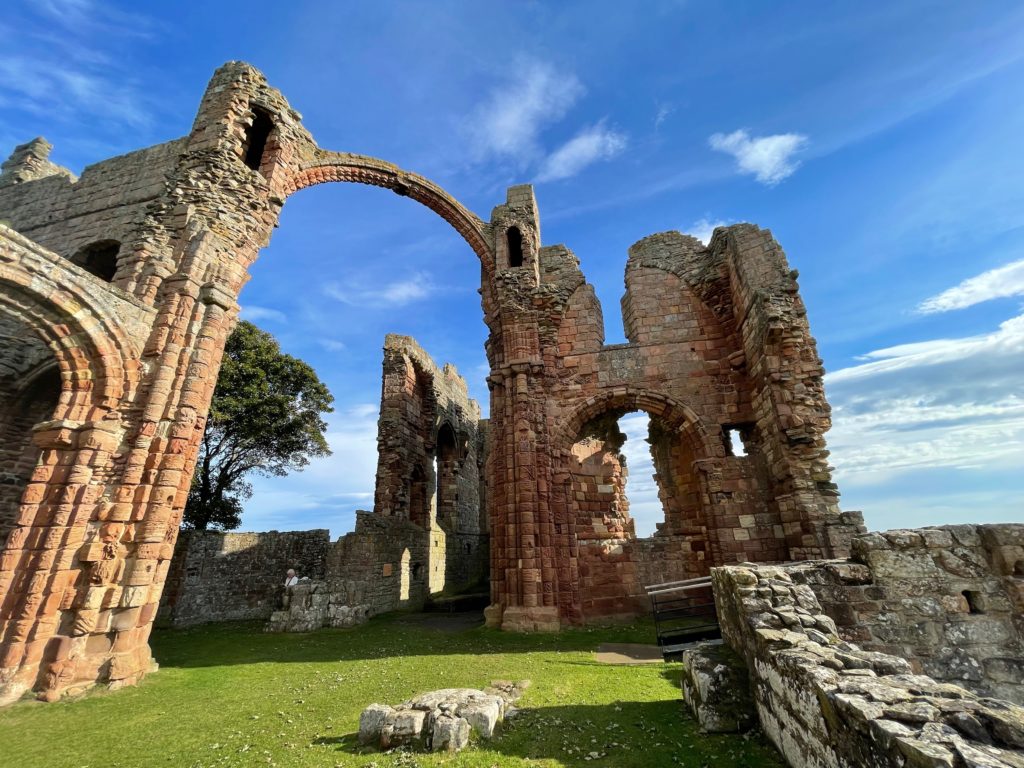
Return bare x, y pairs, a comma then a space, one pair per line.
266, 418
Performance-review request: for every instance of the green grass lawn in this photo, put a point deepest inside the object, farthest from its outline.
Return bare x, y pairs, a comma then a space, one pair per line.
229, 695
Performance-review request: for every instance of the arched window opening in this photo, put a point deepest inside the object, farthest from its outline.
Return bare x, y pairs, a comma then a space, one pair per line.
99, 259
1018, 569
446, 468
634, 476
514, 238
419, 501
256, 136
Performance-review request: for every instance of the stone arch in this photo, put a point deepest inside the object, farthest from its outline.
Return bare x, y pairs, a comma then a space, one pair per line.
360, 169
83, 341
676, 416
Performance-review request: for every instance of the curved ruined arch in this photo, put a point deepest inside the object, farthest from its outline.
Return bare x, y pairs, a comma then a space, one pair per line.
92, 377
360, 169
676, 417
676, 448
30, 386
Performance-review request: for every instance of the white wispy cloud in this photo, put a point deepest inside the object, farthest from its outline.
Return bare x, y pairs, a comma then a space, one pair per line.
591, 144
508, 123
396, 294
332, 345
998, 283
943, 403
664, 110
703, 228
61, 68
254, 314
641, 489
768, 158
325, 493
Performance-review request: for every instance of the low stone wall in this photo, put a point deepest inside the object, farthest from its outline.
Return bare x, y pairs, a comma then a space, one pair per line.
949, 599
825, 703
218, 576
311, 605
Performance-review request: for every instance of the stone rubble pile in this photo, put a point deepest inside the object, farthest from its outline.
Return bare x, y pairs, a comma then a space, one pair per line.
440, 721
310, 605
825, 703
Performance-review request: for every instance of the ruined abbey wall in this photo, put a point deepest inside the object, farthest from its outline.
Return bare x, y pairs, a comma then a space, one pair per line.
130, 275
825, 702
426, 535
430, 456
217, 576
949, 599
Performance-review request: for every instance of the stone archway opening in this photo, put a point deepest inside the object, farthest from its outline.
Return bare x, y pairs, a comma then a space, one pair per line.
629, 464
30, 386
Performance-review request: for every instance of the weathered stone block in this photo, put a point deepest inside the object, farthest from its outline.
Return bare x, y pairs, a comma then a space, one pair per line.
715, 688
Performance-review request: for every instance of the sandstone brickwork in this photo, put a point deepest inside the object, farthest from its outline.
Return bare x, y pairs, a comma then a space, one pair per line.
430, 460
130, 275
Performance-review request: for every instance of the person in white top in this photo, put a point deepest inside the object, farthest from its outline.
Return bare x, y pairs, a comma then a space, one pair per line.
290, 579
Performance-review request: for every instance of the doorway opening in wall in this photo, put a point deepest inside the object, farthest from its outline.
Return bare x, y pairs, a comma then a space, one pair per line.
615, 489
30, 385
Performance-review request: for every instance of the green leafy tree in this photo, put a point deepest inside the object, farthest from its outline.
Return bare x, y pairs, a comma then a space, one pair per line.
266, 418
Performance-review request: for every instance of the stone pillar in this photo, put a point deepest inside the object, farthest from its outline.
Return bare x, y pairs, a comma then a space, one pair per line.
523, 547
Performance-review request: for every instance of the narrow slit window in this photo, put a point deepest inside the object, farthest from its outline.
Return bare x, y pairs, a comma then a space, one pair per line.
256, 138
515, 247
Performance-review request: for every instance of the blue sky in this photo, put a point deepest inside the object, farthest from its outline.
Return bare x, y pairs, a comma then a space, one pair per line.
880, 142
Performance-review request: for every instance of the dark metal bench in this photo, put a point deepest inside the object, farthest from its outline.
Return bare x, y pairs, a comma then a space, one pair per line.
684, 612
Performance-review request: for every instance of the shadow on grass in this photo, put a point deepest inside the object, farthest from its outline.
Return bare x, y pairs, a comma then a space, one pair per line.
626, 735
386, 636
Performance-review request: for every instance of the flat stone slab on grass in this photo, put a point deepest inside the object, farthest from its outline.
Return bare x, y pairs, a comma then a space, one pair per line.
440, 721
628, 653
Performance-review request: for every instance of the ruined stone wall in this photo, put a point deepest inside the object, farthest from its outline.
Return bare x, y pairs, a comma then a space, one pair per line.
718, 338
699, 320
109, 202
378, 567
217, 576
429, 462
826, 703
382, 564
949, 599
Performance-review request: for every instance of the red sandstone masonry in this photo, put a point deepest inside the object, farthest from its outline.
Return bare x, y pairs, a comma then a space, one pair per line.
718, 338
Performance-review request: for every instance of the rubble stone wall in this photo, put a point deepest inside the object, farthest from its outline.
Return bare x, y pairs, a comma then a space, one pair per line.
826, 703
218, 576
949, 599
